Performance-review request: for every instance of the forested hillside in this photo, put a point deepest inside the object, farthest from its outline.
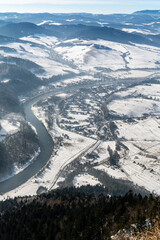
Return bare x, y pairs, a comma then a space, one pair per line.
25, 143
74, 214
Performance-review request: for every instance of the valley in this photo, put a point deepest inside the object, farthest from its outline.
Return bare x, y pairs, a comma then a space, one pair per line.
90, 96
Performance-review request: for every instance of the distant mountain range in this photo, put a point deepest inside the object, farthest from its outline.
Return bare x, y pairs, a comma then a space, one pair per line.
19, 30
150, 12
87, 18
139, 27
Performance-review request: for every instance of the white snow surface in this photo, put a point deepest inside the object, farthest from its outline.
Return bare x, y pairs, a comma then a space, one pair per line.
144, 129
141, 166
86, 56
112, 171
134, 107
84, 180
5, 80
10, 124
149, 91
42, 55
136, 30
60, 57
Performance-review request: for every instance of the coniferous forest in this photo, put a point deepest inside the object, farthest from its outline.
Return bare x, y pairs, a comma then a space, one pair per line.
71, 214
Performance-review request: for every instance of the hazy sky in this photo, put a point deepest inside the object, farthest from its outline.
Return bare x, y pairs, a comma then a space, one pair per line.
94, 6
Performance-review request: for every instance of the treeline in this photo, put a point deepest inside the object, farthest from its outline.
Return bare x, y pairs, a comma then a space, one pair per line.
8, 101
15, 81
71, 214
20, 79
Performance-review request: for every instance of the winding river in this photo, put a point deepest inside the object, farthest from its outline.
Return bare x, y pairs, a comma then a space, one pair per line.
45, 142
46, 146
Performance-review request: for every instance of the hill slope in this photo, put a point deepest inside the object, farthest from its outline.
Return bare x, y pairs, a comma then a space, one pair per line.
73, 214
22, 29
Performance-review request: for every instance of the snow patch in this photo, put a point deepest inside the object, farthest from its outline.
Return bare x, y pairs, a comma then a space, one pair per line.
84, 180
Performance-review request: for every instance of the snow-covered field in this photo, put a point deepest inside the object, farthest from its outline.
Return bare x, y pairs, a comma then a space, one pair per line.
110, 58
88, 57
131, 73
136, 30
137, 101
39, 54
141, 164
10, 124
84, 180
140, 159
42, 40
149, 91
139, 130
114, 172
118, 56
75, 80
134, 107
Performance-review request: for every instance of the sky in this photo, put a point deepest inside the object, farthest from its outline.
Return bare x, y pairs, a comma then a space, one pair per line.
92, 6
